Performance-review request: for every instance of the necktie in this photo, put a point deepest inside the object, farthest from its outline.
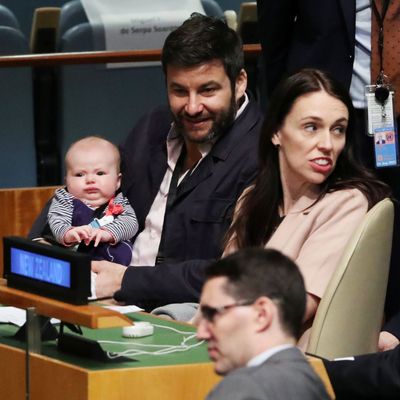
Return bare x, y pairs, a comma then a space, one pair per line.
391, 46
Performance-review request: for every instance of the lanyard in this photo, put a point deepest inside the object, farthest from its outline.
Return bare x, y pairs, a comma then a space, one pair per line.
380, 17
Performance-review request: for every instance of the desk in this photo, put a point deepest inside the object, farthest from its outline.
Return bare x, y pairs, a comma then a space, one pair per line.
58, 376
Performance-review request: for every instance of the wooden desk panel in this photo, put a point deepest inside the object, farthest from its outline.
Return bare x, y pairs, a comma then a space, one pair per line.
52, 379
59, 376
18, 209
192, 381
12, 373
91, 315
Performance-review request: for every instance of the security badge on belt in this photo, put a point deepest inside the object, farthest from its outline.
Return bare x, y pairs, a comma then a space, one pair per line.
382, 123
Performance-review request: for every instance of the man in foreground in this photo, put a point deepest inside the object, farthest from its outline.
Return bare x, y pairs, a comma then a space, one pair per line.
252, 307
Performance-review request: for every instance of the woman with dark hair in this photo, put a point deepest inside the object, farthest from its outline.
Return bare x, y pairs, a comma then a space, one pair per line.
311, 193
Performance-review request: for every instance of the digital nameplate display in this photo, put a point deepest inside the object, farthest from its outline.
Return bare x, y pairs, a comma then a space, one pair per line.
50, 271
42, 268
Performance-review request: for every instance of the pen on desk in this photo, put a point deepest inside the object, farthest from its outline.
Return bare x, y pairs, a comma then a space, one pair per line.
100, 298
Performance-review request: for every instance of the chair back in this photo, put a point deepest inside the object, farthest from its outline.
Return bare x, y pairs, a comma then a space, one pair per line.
44, 29
72, 14
7, 18
13, 42
212, 8
350, 314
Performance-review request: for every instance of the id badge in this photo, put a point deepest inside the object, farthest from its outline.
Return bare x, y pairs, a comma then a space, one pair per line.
382, 125
385, 142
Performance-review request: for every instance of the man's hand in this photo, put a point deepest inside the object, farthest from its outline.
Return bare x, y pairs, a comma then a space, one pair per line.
78, 233
387, 341
109, 277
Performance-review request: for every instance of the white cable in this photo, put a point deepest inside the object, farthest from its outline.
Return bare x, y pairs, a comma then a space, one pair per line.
146, 344
164, 351
162, 348
133, 343
173, 329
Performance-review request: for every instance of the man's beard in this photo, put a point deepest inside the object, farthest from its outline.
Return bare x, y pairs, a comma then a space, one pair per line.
221, 122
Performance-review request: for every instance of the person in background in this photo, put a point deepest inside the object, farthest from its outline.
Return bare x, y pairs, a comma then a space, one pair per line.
310, 193
251, 312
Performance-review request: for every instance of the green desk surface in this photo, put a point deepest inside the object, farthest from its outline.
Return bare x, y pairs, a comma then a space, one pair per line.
161, 337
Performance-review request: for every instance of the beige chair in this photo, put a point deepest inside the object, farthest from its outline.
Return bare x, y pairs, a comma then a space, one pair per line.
349, 316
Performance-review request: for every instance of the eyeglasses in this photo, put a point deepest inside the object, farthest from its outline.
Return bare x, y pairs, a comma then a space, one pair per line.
209, 313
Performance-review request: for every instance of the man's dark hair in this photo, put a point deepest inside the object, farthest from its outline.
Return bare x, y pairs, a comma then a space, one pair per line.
201, 39
256, 272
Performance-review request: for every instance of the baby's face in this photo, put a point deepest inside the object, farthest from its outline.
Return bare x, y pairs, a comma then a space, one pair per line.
92, 175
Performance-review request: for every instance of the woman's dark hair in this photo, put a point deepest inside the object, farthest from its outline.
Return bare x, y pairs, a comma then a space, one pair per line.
258, 214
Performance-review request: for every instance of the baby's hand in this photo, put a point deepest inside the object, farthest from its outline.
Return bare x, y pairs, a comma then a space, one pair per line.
77, 234
101, 235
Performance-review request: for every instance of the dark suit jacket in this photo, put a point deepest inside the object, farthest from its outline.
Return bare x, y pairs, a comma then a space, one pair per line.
286, 375
370, 376
302, 33
202, 211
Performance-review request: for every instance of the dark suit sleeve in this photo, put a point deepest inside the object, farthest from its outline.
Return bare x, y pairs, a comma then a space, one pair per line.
40, 223
370, 376
276, 23
163, 284
393, 325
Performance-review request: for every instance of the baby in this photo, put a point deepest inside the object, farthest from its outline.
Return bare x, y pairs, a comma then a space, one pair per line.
90, 210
